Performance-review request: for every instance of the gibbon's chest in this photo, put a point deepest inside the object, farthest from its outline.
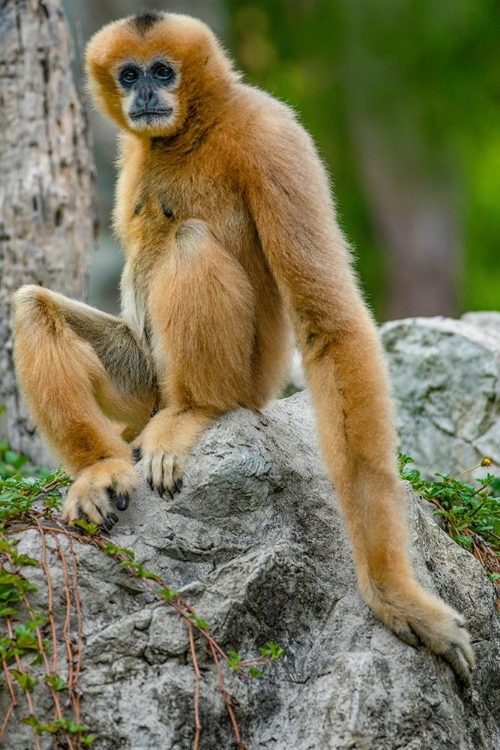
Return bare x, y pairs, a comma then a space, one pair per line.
151, 205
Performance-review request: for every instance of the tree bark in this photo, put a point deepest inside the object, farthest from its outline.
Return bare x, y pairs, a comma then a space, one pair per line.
47, 206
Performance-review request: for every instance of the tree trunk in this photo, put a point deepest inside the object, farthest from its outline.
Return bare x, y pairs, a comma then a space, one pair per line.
416, 214
47, 208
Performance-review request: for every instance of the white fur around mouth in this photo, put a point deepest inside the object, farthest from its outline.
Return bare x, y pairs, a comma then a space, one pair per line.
151, 113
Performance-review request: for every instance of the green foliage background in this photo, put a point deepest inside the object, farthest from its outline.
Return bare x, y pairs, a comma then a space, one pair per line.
423, 66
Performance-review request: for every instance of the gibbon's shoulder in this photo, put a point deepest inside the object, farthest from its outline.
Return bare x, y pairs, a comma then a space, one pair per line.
265, 128
269, 144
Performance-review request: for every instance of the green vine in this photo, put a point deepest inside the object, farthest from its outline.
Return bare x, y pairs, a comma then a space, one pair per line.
30, 498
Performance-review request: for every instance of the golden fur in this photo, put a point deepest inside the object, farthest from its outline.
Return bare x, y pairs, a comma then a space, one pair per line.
230, 236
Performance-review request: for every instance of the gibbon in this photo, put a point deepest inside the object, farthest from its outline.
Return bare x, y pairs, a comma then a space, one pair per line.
225, 214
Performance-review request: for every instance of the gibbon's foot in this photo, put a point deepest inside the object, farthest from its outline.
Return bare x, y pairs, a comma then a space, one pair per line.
165, 444
163, 472
97, 489
426, 618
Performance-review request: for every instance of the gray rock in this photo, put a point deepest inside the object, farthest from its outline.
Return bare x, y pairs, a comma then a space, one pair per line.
256, 543
446, 384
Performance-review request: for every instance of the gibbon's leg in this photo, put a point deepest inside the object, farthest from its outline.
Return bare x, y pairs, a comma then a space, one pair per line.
76, 365
201, 309
350, 390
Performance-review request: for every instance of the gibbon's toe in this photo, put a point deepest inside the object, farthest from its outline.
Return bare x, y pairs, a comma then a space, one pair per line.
449, 637
405, 632
460, 662
163, 472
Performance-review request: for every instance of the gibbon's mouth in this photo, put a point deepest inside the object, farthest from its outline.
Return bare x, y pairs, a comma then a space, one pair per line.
150, 113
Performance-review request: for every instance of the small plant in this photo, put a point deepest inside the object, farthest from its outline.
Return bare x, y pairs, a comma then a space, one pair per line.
28, 657
471, 511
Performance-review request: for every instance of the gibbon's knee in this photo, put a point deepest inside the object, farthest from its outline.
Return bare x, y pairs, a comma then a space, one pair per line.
34, 307
191, 235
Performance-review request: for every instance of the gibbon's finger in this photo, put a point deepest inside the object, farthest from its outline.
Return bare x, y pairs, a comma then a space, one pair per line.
110, 520
122, 502
105, 522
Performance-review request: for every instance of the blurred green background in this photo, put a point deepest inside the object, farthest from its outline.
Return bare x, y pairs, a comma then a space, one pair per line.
403, 100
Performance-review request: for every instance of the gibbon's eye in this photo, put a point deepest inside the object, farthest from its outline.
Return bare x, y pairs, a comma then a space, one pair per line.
163, 73
128, 76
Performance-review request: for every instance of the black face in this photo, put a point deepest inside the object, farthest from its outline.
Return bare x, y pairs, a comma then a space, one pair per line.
147, 84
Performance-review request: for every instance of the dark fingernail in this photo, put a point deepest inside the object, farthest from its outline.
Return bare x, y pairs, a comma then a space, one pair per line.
170, 493
160, 490
178, 485
106, 525
113, 517
122, 502
150, 485
136, 454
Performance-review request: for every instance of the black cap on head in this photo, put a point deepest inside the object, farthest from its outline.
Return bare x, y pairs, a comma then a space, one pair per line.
144, 20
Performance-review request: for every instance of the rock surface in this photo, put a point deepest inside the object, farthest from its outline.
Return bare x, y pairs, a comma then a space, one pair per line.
446, 383
255, 542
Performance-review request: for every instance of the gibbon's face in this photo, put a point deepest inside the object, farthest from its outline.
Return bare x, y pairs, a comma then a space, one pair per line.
150, 72
148, 90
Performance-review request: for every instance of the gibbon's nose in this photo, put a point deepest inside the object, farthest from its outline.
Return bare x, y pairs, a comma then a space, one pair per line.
146, 97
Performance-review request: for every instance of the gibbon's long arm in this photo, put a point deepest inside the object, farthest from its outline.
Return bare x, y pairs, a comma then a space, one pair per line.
310, 259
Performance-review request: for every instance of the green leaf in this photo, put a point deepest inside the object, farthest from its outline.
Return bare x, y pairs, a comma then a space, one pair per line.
233, 659
31, 721
25, 560
273, 650
55, 682
68, 725
198, 621
88, 526
113, 549
7, 611
254, 672
463, 541
50, 728
26, 681
149, 574
9, 547
168, 594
